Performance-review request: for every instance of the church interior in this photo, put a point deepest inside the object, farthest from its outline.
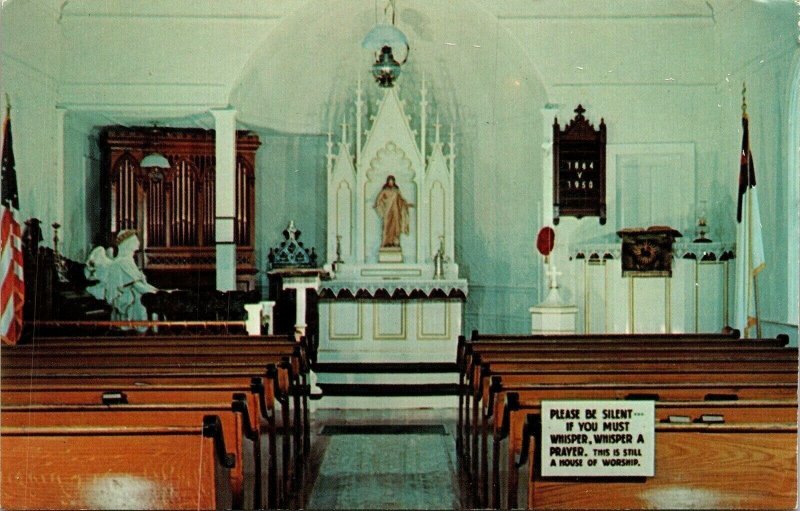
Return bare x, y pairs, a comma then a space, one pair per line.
399, 254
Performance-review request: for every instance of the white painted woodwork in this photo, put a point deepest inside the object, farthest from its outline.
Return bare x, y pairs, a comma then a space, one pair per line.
389, 331
553, 319
225, 205
695, 299
397, 330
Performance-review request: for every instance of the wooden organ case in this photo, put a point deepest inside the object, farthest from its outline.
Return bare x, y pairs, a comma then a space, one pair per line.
173, 209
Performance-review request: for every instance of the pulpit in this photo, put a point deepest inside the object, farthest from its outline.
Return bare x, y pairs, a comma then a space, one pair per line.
293, 284
394, 294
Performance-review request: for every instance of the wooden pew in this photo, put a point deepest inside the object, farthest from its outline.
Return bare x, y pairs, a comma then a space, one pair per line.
470, 349
510, 427
492, 342
478, 366
221, 342
474, 451
263, 396
504, 342
470, 415
180, 359
609, 359
240, 438
131, 359
750, 372
124, 340
688, 336
700, 466
116, 467
652, 391
557, 355
78, 360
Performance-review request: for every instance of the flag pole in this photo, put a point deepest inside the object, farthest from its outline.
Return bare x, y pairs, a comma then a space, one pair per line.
751, 274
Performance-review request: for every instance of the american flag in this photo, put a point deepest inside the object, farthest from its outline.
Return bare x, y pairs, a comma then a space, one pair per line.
12, 297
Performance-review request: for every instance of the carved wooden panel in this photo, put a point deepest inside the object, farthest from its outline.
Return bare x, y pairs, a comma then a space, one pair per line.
647, 252
174, 209
579, 169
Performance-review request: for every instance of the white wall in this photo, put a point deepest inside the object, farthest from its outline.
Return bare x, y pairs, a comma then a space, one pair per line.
765, 63
659, 72
82, 229
30, 69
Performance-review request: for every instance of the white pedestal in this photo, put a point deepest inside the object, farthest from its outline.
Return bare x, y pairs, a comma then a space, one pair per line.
553, 319
390, 255
258, 315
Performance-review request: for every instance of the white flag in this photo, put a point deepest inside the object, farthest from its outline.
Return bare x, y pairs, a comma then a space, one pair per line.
749, 243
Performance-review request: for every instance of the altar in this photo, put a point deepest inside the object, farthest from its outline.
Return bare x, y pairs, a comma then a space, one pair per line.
394, 294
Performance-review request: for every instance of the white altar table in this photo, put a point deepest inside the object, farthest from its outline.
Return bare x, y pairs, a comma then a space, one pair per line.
381, 321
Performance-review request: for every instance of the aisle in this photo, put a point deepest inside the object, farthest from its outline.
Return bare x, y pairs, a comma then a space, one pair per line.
385, 460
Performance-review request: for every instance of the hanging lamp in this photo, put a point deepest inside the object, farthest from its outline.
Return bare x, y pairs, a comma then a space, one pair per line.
385, 40
154, 159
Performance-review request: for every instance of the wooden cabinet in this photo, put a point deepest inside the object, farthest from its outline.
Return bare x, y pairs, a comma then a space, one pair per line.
579, 169
174, 209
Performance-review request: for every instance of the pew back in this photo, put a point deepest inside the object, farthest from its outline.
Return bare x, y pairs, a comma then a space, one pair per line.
104, 467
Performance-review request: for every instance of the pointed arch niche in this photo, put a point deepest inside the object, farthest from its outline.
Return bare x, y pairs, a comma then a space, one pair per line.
478, 79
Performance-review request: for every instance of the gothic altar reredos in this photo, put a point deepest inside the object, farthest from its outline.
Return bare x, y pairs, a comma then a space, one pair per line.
395, 294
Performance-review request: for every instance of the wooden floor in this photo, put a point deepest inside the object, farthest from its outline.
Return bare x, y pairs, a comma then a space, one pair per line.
384, 459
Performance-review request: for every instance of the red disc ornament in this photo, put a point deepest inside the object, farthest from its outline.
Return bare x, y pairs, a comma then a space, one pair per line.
546, 240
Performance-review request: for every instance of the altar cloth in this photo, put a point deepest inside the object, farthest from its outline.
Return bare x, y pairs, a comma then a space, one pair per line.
394, 289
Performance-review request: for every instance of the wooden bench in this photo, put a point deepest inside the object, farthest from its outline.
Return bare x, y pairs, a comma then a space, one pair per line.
119, 466
503, 342
171, 338
76, 361
510, 428
589, 369
511, 373
690, 337
55, 369
178, 373
480, 366
234, 418
699, 466
539, 359
600, 367
469, 350
512, 352
688, 391
263, 396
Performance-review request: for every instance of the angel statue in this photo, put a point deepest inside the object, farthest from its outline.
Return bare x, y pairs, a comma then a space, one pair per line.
121, 282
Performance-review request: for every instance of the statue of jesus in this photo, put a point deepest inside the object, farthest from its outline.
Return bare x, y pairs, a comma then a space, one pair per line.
393, 209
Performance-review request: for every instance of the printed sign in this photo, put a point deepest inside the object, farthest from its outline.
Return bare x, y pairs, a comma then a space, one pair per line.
598, 438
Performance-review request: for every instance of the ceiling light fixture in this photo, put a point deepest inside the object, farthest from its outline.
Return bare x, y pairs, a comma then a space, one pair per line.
385, 40
153, 159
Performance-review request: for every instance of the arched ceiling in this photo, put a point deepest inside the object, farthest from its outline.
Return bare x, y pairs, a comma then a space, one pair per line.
302, 79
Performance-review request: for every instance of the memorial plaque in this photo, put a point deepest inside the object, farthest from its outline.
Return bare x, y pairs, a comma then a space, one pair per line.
579, 169
598, 438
